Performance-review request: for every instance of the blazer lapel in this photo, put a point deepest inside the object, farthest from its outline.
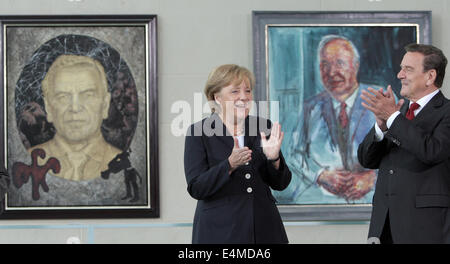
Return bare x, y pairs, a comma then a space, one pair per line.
251, 132
329, 116
220, 131
404, 107
435, 102
250, 136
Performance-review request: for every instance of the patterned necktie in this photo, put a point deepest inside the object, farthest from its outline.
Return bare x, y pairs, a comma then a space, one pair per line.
343, 117
412, 108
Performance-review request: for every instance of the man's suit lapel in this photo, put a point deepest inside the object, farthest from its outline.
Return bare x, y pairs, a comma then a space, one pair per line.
427, 114
435, 102
338, 135
404, 108
329, 116
356, 115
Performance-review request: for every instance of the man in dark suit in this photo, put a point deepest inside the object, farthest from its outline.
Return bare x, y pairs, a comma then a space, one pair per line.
410, 145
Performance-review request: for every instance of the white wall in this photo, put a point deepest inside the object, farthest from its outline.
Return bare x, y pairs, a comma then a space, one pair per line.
193, 37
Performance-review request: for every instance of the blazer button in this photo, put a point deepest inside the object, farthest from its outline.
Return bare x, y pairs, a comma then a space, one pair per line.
249, 190
391, 172
246, 163
248, 176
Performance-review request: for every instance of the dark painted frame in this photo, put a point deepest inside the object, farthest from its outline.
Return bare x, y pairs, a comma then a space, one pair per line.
260, 19
152, 119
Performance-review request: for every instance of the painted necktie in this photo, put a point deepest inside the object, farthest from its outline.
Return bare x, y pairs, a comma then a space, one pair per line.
343, 117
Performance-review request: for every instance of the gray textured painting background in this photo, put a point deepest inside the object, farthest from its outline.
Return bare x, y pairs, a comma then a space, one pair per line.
22, 42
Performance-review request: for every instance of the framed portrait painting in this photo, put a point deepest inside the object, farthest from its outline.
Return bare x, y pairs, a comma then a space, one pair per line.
315, 65
79, 122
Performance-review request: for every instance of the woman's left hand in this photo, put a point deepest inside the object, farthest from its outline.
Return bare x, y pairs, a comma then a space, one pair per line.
271, 147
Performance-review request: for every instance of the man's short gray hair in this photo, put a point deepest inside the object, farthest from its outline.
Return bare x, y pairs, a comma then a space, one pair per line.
329, 38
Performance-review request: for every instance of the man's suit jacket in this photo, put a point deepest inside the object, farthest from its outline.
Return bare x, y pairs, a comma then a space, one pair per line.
317, 145
236, 208
413, 184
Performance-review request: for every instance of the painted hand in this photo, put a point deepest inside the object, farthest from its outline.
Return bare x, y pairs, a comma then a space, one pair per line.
335, 181
362, 183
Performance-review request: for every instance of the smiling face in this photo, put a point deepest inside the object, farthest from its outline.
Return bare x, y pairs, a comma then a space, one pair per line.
235, 100
77, 102
416, 82
338, 69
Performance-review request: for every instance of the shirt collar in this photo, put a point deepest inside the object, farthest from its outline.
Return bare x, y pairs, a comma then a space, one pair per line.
349, 101
424, 100
91, 149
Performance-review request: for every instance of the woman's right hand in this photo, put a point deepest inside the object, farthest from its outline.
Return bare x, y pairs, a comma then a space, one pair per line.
239, 156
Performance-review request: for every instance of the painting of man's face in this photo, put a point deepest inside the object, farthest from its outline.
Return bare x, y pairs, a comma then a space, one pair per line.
337, 67
312, 72
80, 117
78, 102
76, 106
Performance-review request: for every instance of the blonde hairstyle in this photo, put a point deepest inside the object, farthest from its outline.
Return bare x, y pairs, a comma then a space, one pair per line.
223, 76
69, 61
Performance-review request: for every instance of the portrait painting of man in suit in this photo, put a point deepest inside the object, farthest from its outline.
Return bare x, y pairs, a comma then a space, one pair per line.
317, 74
75, 105
77, 100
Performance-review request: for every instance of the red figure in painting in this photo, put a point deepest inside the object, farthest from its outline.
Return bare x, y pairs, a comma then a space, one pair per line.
22, 172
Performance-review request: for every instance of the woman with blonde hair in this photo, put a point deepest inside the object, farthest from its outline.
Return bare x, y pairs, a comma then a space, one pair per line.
231, 165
